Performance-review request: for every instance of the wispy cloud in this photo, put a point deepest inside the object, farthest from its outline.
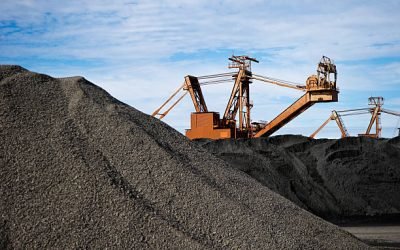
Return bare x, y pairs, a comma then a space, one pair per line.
140, 50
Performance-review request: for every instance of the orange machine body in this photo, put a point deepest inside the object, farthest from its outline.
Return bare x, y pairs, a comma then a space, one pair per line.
207, 125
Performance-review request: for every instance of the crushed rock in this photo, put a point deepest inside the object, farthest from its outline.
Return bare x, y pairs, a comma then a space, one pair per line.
80, 169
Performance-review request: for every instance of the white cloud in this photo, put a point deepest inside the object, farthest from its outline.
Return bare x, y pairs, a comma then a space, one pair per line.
126, 46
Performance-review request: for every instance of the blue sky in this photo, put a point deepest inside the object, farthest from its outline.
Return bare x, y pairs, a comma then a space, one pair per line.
139, 51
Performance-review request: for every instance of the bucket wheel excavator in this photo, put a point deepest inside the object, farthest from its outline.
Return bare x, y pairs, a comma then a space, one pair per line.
236, 121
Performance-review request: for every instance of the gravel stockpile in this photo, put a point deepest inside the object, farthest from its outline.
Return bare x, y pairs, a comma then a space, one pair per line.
79, 169
335, 179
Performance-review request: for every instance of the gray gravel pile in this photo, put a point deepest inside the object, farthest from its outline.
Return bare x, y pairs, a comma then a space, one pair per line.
79, 169
335, 179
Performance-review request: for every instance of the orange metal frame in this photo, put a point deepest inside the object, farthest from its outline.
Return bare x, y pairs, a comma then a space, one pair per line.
336, 117
236, 121
376, 110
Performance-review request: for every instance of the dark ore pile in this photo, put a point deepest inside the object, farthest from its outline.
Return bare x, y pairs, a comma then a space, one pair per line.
79, 169
335, 179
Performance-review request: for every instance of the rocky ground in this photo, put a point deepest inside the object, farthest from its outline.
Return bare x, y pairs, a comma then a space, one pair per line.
79, 169
335, 179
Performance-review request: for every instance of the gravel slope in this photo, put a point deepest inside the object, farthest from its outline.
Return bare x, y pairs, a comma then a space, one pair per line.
335, 179
79, 169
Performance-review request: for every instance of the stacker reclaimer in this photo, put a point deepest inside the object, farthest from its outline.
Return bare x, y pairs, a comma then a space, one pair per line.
375, 110
236, 121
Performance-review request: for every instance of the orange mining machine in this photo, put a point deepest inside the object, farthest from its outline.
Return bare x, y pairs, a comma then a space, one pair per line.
375, 110
236, 121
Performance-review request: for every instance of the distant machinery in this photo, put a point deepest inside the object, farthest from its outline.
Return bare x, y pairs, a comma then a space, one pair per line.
375, 110
236, 121
335, 116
